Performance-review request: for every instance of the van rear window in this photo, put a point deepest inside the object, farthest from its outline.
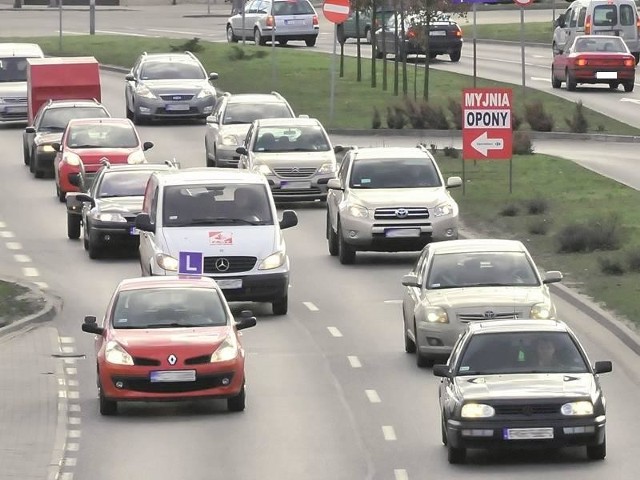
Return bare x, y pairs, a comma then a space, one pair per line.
605, 16
627, 15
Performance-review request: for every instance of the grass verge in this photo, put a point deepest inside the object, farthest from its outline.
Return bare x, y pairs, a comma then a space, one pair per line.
16, 302
303, 77
536, 32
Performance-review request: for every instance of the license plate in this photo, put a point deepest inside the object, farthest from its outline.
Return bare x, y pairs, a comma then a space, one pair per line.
607, 75
295, 185
294, 22
528, 433
177, 107
17, 109
229, 284
437, 33
604, 32
402, 232
134, 231
172, 376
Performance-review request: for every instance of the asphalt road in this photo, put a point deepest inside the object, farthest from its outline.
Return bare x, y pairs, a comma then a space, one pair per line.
331, 394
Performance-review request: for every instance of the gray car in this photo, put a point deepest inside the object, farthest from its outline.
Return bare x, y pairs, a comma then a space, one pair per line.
13, 79
166, 86
229, 123
461, 281
389, 199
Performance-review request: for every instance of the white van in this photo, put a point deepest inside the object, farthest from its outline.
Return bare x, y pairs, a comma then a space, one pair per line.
13, 79
598, 17
218, 223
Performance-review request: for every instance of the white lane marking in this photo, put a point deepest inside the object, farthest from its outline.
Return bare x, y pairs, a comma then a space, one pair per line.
354, 361
66, 476
74, 434
73, 447
310, 306
6, 234
67, 339
389, 433
373, 396
42, 285
69, 32
62, 382
75, 420
20, 258
541, 79
112, 32
70, 462
3, 225
69, 361
174, 31
30, 272
72, 383
62, 394
14, 245
68, 349
72, 371
74, 395
632, 100
393, 301
400, 474
74, 408
334, 331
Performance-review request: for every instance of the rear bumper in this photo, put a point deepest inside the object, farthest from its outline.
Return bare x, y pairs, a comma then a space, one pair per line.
591, 75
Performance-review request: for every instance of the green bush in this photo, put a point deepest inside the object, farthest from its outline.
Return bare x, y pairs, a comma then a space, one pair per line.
455, 108
537, 118
598, 234
578, 123
510, 210
537, 206
522, 144
376, 121
611, 266
538, 226
192, 45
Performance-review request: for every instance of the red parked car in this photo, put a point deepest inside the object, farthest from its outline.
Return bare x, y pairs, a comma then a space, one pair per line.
595, 59
169, 338
90, 141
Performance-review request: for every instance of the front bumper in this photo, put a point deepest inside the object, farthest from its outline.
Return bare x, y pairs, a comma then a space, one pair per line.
111, 234
437, 339
226, 156
43, 160
290, 189
159, 108
66, 172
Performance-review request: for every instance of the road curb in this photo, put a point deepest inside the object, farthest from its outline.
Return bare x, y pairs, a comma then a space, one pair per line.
49, 310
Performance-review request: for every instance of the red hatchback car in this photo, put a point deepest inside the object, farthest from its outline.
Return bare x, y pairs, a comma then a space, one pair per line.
91, 140
169, 338
595, 59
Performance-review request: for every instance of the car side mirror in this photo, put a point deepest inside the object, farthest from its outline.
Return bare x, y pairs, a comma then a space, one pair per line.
339, 148
56, 146
247, 320
212, 119
30, 129
83, 197
213, 76
146, 146
143, 222
129, 77
552, 276
410, 280
442, 371
603, 367
90, 325
242, 151
73, 204
453, 182
289, 219
334, 184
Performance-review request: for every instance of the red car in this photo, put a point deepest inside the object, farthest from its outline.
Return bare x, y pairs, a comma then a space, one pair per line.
595, 59
169, 338
90, 140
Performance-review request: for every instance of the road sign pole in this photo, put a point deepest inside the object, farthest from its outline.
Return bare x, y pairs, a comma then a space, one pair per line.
333, 74
522, 50
273, 50
475, 36
244, 30
92, 17
60, 26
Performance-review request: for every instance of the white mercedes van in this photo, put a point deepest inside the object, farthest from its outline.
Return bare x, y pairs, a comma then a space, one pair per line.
13, 79
218, 223
598, 17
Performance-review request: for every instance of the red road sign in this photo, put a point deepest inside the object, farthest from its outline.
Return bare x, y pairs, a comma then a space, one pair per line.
486, 128
336, 11
523, 3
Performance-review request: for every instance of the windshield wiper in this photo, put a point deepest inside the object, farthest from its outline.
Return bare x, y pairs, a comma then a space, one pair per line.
85, 146
172, 325
223, 220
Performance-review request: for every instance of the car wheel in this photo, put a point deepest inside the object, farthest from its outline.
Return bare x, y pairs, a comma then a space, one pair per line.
597, 452
311, 42
257, 37
571, 82
637, 57
283, 43
456, 455
231, 38
237, 403
455, 56
379, 54
346, 253
555, 82
614, 85
25, 152
73, 226
555, 49
93, 248
128, 113
32, 162
107, 407
281, 306
628, 86
136, 118
409, 345
443, 430
332, 238
210, 163
62, 196
367, 36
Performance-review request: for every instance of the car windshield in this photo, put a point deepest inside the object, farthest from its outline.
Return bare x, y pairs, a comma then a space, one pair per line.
295, 7
595, 44
309, 138
481, 269
521, 352
102, 135
171, 70
394, 173
56, 119
169, 308
13, 69
123, 184
217, 205
242, 113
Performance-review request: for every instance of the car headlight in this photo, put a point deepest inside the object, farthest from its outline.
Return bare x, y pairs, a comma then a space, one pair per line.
436, 315
167, 262
136, 158
582, 407
263, 169
443, 209
108, 217
541, 311
72, 159
358, 211
46, 148
229, 140
114, 353
143, 91
228, 350
477, 410
274, 260
204, 93
327, 168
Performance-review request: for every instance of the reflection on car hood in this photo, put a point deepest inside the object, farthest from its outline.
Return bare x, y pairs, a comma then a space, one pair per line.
486, 297
13, 89
120, 204
166, 341
526, 386
176, 86
44, 138
295, 159
398, 197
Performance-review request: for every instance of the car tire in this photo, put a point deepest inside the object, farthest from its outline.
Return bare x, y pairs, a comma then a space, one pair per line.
237, 403
332, 237
379, 54
456, 455
423, 361
637, 57
409, 345
571, 82
136, 118
257, 37
555, 82
62, 196
555, 50
210, 163
25, 152
231, 38
311, 42
283, 43
128, 113
32, 162
628, 86
597, 452
93, 248
368, 36
614, 85
280, 306
107, 407
443, 430
455, 56
346, 253
73, 226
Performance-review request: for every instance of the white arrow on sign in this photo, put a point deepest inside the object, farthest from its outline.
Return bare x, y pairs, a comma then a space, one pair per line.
483, 144
632, 100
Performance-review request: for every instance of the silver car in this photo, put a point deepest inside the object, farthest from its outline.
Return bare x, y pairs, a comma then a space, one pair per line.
391, 200
294, 20
295, 154
13, 79
169, 86
461, 281
229, 123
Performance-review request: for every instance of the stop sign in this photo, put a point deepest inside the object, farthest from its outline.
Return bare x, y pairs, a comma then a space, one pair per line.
523, 3
336, 11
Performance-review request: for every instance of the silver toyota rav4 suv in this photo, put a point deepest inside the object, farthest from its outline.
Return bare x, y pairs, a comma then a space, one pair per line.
13, 79
389, 199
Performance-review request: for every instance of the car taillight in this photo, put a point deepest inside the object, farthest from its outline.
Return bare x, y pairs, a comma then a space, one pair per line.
587, 25
270, 21
458, 32
315, 20
581, 62
638, 24
411, 33
630, 62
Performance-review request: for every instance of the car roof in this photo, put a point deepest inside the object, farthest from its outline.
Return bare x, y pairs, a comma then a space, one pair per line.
477, 245
390, 152
287, 122
74, 103
170, 56
20, 49
92, 121
208, 175
171, 281
517, 326
120, 167
255, 98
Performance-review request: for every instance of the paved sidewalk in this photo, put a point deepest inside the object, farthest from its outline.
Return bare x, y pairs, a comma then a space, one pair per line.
29, 404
